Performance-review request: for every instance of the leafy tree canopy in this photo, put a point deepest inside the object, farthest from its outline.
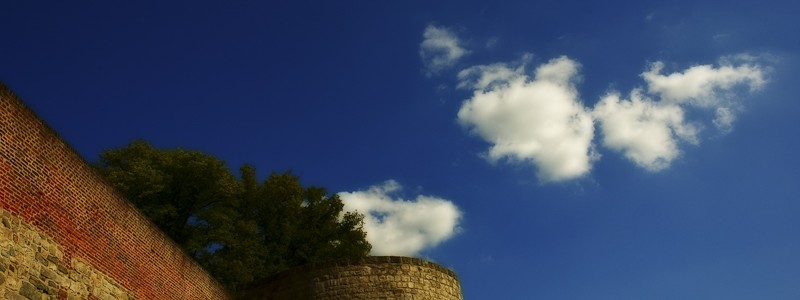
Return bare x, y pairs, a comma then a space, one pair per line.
240, 230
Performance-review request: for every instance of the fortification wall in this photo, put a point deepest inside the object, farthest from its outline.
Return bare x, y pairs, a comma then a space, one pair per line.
66, 234
376, 277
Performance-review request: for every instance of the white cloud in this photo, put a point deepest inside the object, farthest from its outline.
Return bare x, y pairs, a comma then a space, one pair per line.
402, 227
440, 49
537, 121
723, 119
541, 121
703, 85
492, 42
648, 131
644, 130
489, 76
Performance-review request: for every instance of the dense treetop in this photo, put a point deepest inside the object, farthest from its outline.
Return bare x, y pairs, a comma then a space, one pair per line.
239, 229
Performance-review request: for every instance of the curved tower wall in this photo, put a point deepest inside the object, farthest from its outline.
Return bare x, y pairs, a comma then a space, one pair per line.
375, 277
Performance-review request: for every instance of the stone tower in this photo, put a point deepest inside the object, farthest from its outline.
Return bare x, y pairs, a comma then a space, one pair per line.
375, 277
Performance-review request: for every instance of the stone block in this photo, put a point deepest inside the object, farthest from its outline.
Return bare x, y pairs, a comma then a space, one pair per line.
53, 258
47, 273
38, 283
10, 295
29, 291
62, 269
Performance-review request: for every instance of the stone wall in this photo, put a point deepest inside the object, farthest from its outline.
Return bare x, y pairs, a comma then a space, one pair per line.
32, 266
66, 234
376, 277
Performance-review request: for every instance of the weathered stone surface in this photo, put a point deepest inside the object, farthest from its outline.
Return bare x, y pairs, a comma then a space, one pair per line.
29, 291
386, 277
52, 258
47, 273
10, 295
37, 279
38, 284
62, 269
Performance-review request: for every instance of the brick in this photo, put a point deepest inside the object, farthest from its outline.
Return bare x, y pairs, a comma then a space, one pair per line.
55, 209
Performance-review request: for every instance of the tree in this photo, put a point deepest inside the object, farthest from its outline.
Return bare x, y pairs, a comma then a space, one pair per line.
180, 191
239, 230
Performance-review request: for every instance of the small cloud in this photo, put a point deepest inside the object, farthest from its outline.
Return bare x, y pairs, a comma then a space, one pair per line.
491, 43
535, 120
486, 260
723, 119
440, 49
720, 36
702, 85
402, 227
487, 77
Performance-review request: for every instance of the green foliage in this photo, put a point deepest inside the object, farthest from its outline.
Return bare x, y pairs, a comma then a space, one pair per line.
240, 230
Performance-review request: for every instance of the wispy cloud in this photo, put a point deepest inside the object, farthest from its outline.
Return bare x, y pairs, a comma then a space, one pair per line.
396, 226
723, 119
703, 85
535, 120
440, 49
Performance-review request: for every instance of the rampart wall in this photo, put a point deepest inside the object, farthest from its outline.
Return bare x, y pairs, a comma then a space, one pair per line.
66, 234
375, 277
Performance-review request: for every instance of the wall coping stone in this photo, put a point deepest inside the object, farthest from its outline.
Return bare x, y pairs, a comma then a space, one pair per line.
310, 268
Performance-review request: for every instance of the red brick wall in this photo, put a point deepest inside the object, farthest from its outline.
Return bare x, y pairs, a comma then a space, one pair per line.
46, 183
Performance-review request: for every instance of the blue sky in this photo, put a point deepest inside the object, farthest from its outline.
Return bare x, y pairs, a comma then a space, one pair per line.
541, 149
